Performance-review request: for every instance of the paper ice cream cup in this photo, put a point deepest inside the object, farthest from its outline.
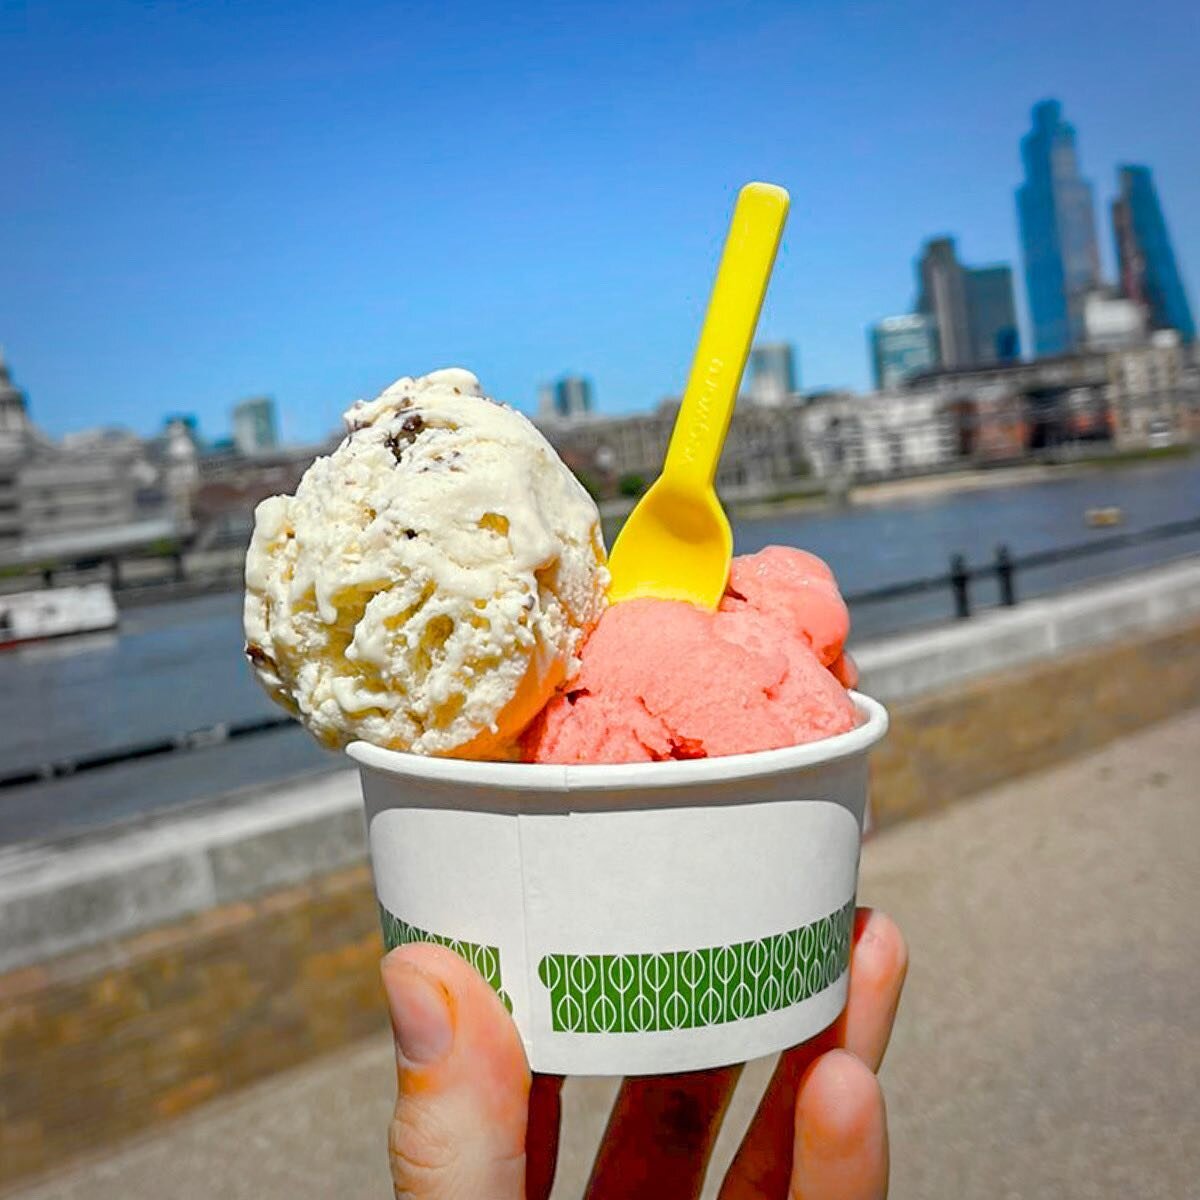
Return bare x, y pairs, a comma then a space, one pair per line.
635, 919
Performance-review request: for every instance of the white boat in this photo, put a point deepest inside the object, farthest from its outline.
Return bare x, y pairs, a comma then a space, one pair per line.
56, 612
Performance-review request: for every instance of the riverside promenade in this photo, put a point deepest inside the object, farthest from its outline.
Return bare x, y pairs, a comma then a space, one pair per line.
1047, 1045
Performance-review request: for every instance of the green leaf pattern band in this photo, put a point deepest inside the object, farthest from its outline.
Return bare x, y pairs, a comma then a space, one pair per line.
685, 989
677, 989
485, 959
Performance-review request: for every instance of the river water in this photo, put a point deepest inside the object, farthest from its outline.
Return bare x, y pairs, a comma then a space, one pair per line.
177, 666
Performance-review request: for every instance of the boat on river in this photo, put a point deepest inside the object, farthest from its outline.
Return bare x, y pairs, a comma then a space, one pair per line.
1100, 518
56, 612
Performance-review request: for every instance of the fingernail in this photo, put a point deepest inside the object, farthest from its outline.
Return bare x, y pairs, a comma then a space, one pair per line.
420, 1012
876, 927
868, 930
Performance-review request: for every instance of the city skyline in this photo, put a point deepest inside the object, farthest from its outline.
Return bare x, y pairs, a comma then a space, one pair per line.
202, 221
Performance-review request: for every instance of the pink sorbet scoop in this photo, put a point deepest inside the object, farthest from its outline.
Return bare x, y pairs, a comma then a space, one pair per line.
664, 679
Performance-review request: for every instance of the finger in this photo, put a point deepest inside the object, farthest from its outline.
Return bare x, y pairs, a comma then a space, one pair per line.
877, 967
458, 1131
841, 1145
660, 1135
763, 1161
877, 972
541, 1136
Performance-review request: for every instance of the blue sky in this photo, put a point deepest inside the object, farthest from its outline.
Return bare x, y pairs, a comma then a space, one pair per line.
207, 200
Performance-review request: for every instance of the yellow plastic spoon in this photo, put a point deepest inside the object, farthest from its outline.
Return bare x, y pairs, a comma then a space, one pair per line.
677, 544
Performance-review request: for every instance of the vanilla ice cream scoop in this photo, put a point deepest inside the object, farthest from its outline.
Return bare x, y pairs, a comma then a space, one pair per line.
428, 586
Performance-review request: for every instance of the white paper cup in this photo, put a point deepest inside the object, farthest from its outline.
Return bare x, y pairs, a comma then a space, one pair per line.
635, 919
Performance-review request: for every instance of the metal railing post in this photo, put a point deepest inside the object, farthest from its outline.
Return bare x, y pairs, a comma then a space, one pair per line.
960, 581
1005, 577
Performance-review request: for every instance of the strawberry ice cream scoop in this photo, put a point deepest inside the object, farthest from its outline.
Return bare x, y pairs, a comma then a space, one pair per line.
799, 589
661, 679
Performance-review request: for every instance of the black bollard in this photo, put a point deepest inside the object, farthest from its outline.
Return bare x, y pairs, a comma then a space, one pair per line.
48, 577
115, 567
960, 581
179, 571
1004, 577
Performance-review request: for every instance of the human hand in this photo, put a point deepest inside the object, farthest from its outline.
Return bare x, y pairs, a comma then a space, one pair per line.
471, 1123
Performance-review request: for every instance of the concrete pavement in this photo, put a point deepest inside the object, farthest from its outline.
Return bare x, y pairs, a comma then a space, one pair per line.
1048, 1044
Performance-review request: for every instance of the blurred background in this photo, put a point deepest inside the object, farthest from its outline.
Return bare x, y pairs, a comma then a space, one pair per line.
976, 393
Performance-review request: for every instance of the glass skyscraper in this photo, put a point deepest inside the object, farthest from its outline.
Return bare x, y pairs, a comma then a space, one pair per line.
992, 315
772, 372
1058, 232
1149, 273
902, 347
573, 396
254, 426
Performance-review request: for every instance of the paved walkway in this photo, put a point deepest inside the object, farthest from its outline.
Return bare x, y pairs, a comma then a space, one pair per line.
1048, 1044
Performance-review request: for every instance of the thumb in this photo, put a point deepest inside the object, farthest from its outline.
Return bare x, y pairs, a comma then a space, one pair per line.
458, 1132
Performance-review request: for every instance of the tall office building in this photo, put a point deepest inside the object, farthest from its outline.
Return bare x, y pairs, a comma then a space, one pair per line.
972, 307
942, 296
254, 428
1149, 273
572, 396
992, 315
772, 373
1058, 232
902, 346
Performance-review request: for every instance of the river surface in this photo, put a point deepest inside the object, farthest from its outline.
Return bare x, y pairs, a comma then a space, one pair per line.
177, 666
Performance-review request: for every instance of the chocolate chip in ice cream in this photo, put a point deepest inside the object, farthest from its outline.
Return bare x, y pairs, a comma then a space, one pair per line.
259, 657
399, 439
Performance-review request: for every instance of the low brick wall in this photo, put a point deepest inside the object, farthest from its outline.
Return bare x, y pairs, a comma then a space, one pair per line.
98, 1045
943, 747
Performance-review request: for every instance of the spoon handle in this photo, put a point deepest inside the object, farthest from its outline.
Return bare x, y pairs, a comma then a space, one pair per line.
725, 337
